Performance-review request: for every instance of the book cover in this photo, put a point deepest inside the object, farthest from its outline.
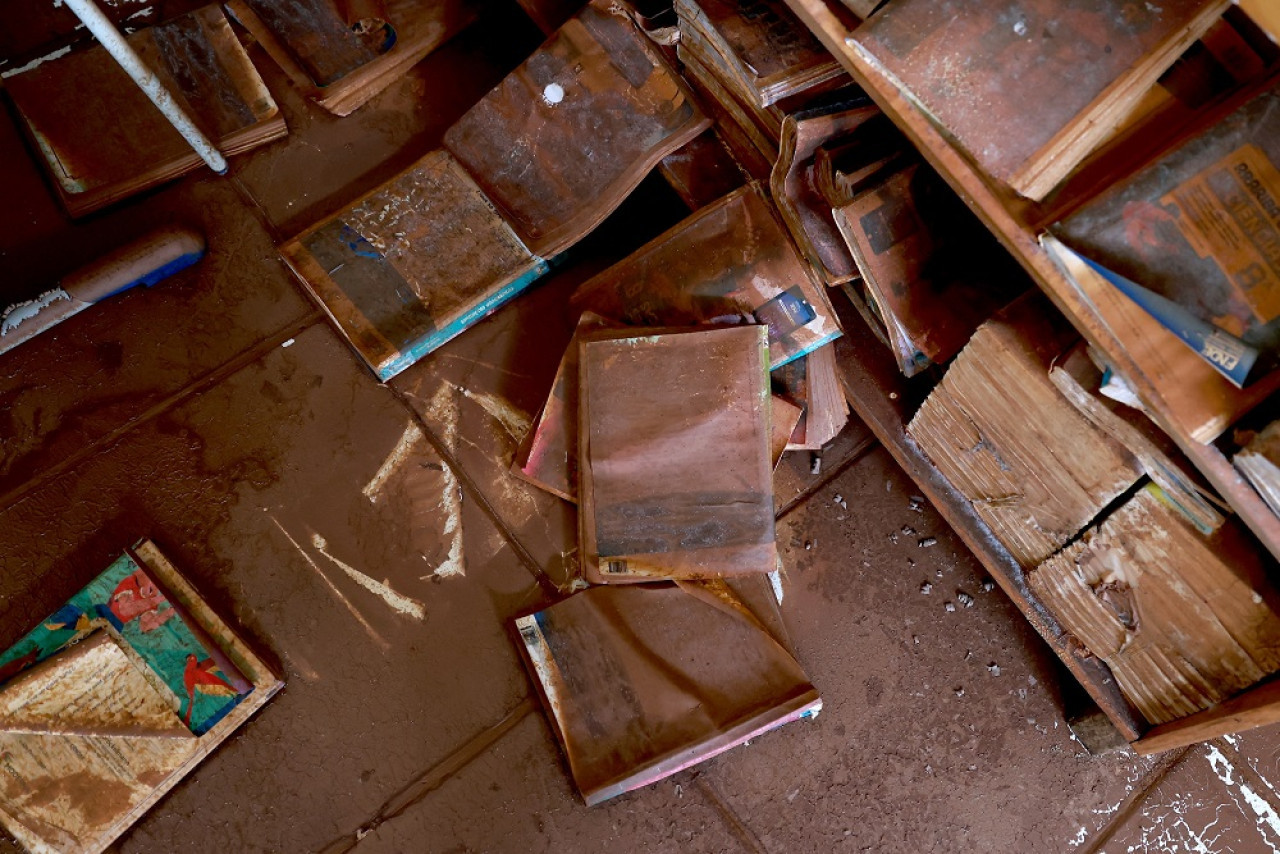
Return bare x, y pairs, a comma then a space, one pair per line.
640, 682
674, 463
731, 261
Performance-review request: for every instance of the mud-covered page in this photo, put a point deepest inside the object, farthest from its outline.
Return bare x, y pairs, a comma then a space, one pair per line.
320, 36
731, 261
412, 264
642, 681
86, 735
564, 138
675, 475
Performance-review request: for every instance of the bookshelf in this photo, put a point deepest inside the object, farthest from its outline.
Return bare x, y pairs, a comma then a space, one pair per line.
880, 399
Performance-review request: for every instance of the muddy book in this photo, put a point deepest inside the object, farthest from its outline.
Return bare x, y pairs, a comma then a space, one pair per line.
674, 467
730, 262
422, 258
759, 48
1035, 469
930, 271
642, 681
1194, 238
112, 699
342, 54
1028, 88
99, 137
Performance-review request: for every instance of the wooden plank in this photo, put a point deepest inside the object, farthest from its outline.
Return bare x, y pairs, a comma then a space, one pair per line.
1007, 218
1259, 706
885, 401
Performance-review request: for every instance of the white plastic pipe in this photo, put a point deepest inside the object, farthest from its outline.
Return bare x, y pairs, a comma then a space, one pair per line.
110, 38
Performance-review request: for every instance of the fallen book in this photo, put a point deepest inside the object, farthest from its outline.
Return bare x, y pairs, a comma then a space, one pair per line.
813, 384
1183, 620
730, 262
101, 140
419, 260
341, 57
1259, 462
547, 457
114, 698
643, 681
674, 464
1027, 89
930, 271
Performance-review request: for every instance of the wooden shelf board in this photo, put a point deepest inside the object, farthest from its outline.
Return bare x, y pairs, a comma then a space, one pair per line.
1006, 215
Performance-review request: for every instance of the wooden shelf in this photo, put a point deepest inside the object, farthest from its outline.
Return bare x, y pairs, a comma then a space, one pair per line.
1009, 217
885, 401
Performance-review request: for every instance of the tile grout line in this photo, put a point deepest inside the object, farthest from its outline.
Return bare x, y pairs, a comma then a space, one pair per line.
746, 837
859, 451
435, 776
1133, 800
203, 383
472, 490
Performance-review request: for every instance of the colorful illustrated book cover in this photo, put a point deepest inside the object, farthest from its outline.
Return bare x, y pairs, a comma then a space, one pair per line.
128, 603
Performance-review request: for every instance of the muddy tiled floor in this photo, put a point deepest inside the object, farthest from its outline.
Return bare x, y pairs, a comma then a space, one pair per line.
368, 540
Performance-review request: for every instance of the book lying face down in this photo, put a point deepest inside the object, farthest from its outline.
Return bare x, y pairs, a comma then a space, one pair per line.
642, 681
674, 461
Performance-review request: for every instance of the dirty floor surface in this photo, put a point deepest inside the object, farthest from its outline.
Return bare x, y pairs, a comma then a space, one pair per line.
367, 540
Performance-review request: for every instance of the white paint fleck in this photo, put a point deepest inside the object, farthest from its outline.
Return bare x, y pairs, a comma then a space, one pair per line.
382, 589
20, 312
553, 94
1268, 821
775, 580
288, 343
1020, 28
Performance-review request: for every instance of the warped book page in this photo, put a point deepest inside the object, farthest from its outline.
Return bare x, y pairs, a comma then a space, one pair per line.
102, 140
731, 261
640, 682
675, 471
564, 138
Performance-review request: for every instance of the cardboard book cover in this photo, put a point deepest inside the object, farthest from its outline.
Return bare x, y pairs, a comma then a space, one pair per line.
923, 265
112, 699
731, 261
564, 138
1200, 228
413, 264
675, 475
1028, 87
642, 681
101, 139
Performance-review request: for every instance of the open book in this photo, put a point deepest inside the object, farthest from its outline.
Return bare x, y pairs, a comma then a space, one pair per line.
531, 169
